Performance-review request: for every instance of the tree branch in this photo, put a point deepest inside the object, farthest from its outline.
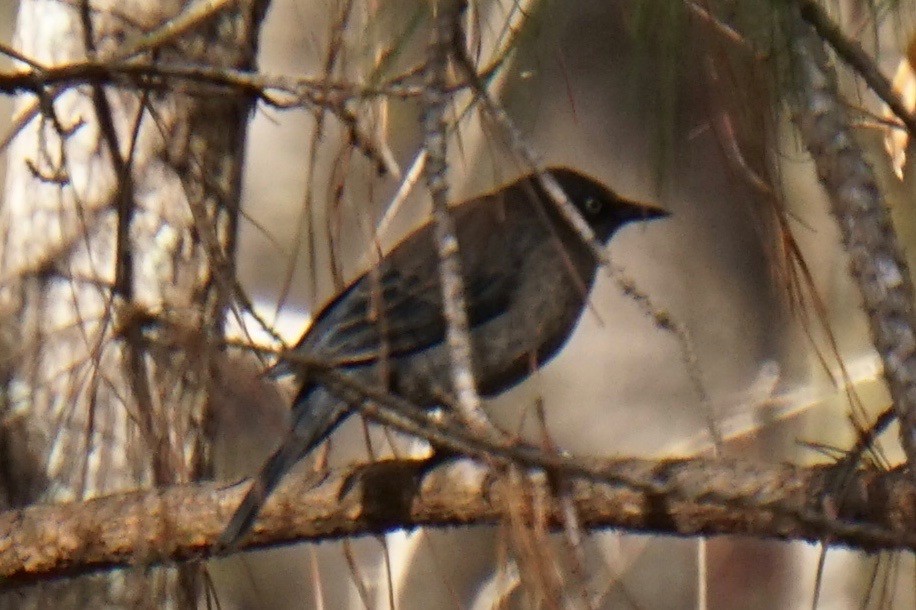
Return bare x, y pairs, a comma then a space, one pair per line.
877, 262
852, 53
435, 125
180, 523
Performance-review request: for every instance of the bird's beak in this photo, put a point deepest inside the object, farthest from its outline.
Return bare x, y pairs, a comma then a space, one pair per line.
637, 210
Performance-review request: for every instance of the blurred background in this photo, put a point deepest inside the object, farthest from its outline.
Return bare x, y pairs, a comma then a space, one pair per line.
590, 90
623, 92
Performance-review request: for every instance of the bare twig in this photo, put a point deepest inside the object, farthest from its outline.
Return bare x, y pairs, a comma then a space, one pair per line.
435, 101
169, 30
852, 53
516, 142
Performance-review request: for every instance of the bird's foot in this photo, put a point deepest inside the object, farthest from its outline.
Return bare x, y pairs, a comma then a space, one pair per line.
387, 488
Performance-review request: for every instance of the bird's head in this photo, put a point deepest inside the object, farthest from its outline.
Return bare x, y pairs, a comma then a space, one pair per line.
603, 209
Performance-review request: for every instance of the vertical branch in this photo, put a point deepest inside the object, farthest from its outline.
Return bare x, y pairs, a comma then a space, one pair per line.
876, 260
208, 158
435, 101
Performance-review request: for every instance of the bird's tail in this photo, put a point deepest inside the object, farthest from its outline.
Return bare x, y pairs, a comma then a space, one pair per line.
316, 412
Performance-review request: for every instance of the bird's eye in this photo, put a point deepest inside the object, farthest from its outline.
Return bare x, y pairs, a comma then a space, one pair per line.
592, 205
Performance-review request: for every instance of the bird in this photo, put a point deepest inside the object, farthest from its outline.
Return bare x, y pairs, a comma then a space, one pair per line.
527, 276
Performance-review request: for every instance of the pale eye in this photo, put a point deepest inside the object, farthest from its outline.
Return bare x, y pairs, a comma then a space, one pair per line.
592, 205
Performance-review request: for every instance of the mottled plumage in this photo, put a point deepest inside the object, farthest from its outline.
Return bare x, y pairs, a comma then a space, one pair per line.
527, 277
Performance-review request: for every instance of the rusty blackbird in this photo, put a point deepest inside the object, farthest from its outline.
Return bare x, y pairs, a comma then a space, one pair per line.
527, 277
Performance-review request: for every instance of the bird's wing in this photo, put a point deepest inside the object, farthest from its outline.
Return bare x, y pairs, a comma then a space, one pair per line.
399, 311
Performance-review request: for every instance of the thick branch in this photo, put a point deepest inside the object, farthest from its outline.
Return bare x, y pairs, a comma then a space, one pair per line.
182, 522
877, 262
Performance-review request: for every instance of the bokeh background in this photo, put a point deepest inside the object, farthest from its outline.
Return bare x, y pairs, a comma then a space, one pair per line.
591, 90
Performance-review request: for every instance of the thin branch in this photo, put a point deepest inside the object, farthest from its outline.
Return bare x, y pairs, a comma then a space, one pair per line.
515, 141
435, 103
852, 53
316, 90
192, 16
